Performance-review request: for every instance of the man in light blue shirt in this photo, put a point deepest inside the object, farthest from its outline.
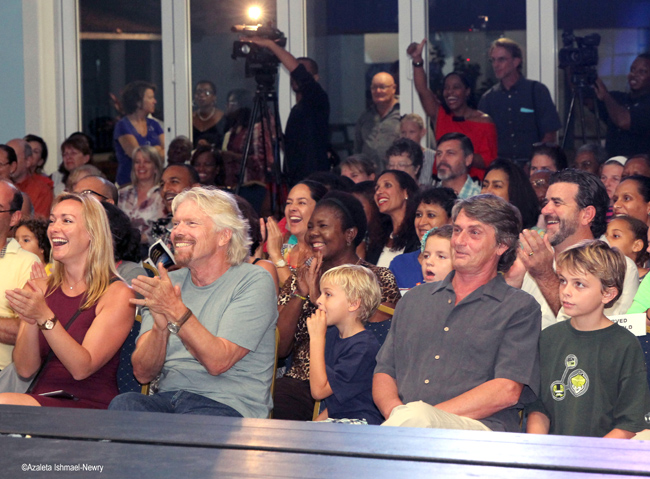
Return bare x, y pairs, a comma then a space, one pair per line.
208, 329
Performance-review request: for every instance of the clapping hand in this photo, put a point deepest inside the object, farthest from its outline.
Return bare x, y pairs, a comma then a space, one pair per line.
308, 279
29, 302
536, 254
159, 295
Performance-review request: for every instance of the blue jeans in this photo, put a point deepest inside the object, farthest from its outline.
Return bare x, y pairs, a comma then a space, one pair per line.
177, 402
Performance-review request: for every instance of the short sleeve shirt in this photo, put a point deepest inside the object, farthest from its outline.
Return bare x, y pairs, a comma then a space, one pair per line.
522, 115
374, 134
239, 307
124, 162
592, 381
349, 363
437, 350
637, 138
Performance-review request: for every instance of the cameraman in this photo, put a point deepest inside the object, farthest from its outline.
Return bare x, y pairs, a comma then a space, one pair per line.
306, 137
627, 115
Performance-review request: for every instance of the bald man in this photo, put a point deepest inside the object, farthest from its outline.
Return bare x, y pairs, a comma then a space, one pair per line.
39, 188
378, 126
99, 187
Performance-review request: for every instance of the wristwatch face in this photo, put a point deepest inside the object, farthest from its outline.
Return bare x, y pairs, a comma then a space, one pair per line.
173, 328
48, 325
281, 264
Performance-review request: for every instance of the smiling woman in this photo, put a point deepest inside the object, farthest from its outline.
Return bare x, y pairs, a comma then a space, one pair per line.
141, 200
393, 192
73, 322
136, 128
289, 255
454, 113
335, 229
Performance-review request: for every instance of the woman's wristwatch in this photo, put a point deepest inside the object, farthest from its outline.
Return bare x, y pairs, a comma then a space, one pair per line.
48, 325
418, 64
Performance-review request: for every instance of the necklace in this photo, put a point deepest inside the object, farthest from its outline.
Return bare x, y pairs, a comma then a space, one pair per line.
198, 113
75, 283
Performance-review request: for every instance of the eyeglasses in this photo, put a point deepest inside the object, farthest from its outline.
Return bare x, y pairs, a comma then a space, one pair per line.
8, 211
203, 92
5, 164
395, 166
92, 192
380, 87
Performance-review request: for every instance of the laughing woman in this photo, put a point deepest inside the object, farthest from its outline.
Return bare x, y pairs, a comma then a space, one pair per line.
394, 196
73, 322
453, 113
336, 228
288, 256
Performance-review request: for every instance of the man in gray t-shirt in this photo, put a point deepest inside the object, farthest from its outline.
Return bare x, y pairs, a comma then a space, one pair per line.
462, 353
208, 329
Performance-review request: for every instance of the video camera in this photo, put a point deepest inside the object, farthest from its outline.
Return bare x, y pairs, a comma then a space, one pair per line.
260, 61
581, 59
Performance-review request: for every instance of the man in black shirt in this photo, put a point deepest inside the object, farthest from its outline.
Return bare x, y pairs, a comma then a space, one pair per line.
628, 114
306, 136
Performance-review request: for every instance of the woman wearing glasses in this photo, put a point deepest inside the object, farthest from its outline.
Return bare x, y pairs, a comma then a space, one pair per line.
207, 120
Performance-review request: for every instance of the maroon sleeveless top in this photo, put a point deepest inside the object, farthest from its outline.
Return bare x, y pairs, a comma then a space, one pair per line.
97, 390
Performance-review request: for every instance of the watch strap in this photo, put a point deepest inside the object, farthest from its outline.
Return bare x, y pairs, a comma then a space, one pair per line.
174, 327
49, 324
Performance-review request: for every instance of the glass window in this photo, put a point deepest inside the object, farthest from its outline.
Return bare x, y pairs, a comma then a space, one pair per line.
624, 30
460, 34
212, 47
351, 42
120, 42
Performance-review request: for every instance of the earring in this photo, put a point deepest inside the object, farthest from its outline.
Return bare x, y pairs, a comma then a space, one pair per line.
349, 242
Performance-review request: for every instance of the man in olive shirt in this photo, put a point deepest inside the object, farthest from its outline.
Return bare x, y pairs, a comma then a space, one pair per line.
462, 352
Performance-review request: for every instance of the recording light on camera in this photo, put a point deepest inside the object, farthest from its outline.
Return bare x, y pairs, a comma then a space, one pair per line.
254, 13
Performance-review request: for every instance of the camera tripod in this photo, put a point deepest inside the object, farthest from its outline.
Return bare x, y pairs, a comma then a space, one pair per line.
578, 87
264, 95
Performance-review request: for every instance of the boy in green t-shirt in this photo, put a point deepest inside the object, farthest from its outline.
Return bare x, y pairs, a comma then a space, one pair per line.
593, 371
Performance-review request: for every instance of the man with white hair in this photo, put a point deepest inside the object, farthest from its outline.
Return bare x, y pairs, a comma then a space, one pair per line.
208, 329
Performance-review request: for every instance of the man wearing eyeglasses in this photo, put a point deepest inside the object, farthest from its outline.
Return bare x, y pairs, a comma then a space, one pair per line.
15, 265
102, 189
378, 126
407, 156
522, 109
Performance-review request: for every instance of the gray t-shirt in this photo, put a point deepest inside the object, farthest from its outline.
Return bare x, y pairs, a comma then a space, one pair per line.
239, 306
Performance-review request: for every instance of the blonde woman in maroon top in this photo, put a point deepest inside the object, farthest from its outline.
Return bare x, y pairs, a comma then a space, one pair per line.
85, 350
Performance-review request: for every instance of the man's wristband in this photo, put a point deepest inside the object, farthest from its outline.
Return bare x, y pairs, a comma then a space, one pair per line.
418, 64
299, 296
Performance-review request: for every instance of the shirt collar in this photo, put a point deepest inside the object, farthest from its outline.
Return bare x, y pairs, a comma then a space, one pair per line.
495, 288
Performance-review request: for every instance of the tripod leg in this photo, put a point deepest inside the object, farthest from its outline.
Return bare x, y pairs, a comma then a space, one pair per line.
249, 140
581, 109
569, 119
